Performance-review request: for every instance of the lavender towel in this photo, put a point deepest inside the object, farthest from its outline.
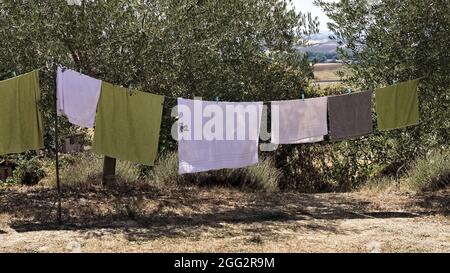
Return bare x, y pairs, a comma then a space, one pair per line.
77, 97
299, 121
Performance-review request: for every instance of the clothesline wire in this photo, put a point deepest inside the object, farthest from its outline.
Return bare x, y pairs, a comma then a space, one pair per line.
165, 96
176, 97
375, 132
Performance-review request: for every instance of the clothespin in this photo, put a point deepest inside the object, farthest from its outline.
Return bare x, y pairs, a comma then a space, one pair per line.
14, 73
394, 82
181, 127
349, 91
81, 71
217, 99
130, 89
303, 96
62, 67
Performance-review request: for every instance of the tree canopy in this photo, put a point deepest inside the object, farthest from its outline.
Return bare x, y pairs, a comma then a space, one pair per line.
391, 41
233, 49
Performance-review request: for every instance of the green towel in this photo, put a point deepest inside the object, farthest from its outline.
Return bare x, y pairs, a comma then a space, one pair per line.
397, 106
128, 124
20, 119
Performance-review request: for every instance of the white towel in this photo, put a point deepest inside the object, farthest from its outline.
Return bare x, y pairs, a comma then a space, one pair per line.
77, 97
299, 121
234, 143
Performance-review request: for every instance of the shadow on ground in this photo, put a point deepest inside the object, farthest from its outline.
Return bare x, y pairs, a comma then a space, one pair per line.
143, 214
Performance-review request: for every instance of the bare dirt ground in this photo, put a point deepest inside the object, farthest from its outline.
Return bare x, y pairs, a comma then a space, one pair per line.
222, 220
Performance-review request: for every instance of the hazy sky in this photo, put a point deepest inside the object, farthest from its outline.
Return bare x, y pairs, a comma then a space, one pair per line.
307, 6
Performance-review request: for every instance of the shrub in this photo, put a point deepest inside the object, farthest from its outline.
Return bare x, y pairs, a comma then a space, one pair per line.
85, 169
165, 171
430, 173
27, 171
380, 185
262, 176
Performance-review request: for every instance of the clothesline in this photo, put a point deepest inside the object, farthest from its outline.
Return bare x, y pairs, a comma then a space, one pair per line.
89, 123
350, 115
217, 99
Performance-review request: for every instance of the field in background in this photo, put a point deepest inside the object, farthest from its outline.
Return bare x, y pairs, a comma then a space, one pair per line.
328, 72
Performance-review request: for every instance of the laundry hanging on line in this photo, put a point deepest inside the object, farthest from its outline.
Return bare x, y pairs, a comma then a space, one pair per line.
20, 118
397, 106
235, 146
77, 97
299, 121
350, 115
128, 124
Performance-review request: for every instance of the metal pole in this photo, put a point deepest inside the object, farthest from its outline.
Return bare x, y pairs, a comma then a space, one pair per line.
58, 184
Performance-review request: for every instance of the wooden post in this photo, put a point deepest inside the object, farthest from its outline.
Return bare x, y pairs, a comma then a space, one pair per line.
109, 171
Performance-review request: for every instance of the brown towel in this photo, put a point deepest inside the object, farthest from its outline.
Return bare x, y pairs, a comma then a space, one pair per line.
350, 115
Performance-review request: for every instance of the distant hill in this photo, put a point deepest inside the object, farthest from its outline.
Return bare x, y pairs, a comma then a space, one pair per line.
329, 47
321, 37
321, 48
320, 43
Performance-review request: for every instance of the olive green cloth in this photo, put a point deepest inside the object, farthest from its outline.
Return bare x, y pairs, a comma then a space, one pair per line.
128, 124
397, 106
20, 118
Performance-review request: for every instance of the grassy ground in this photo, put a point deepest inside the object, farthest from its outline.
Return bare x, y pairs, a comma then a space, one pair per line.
189, 219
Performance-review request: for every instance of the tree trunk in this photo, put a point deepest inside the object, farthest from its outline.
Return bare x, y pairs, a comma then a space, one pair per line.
109, 171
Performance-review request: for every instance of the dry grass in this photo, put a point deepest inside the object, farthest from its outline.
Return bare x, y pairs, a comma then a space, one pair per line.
263, 176
327, 71
191, 219
430, 173
84, 170
326, 67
